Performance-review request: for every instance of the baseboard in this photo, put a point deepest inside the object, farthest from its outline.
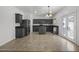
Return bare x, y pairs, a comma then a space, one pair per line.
5, 42
69, 40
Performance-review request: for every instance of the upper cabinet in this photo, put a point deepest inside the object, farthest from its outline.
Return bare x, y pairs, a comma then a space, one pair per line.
18, 18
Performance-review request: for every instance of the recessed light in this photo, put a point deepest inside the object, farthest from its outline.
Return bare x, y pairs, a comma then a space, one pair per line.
35, 12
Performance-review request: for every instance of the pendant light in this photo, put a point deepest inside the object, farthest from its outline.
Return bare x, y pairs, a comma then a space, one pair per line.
49, 14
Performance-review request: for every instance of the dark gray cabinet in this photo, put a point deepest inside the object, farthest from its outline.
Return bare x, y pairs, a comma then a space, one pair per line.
18, 18
35, 28
26, 25
20, 32
42, 21
48, 28
23, 29
42, 29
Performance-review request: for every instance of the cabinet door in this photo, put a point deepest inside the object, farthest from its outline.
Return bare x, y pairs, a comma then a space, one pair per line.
24, 23
18, 18
20, 32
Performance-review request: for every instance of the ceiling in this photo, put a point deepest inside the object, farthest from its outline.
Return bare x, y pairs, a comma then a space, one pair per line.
39, 10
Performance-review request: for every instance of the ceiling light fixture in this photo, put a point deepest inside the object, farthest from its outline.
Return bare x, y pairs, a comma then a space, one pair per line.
49, 14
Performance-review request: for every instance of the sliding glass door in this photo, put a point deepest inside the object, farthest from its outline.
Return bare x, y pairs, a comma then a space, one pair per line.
64, 26
68, 26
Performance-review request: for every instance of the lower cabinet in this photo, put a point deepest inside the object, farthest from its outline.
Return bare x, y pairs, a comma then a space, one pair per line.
26, 24
23, 29
42, 29
20, 32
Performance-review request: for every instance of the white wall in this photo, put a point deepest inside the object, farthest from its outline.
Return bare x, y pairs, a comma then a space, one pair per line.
7, 23
77, 25
66, 11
